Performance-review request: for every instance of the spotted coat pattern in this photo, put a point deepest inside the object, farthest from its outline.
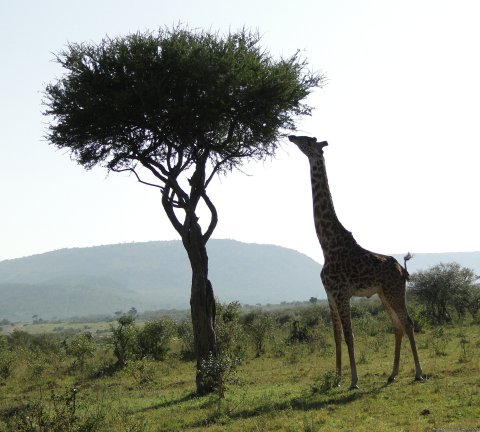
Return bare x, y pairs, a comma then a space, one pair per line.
350, 270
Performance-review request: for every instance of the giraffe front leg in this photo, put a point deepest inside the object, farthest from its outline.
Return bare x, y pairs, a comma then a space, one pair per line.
337, 335
351, 354
348, 334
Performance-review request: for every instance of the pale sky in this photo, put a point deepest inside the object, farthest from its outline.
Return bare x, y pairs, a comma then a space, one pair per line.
400, 113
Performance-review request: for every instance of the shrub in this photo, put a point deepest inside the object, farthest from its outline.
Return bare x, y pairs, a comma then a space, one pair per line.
325, 382
59, 414
219, 371
260, 330
124, 340
299, 332
81, 347
143, 371
185, 333
154, 338
313, 315
6, 359
228, 330
44, 343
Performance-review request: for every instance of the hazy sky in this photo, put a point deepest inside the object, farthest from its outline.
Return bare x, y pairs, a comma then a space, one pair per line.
400, 113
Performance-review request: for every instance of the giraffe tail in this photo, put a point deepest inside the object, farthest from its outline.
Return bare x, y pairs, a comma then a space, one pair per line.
405, 259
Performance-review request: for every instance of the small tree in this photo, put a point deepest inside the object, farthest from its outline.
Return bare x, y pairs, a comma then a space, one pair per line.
229, 330
260, 328
442, 288
474, 303
175, 108
81, 347
124, 340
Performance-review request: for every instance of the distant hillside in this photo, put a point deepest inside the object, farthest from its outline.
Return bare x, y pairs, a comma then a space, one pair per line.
153, 275
156, 275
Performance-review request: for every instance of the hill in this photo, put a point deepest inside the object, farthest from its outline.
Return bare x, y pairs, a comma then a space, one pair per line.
153, 275
156, 275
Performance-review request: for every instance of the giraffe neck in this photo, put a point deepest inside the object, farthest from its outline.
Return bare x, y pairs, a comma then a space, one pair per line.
331, 233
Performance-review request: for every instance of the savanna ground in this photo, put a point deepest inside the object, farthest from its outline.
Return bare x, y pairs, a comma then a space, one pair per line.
290, 386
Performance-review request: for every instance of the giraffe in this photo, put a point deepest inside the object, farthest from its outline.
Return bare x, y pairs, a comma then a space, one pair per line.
350, 270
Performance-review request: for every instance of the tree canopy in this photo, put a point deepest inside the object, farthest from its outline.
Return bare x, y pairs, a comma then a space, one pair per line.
131, 99
173, 99
446, 287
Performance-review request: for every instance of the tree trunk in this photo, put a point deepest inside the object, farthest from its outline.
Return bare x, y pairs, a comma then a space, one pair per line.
202, 303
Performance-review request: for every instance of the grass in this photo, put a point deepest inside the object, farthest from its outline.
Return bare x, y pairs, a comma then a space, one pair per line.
288, 389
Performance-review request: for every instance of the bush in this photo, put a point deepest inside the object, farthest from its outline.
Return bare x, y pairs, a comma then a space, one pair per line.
219, 371
154, 338
44, 343
81, 347
143, 371
325, 382
299, 332
59, 414
6, 359
185, 333
124, 340
259, 328
228, 330
313, 315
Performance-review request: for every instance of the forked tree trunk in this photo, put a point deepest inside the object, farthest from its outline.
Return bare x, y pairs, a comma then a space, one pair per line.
202, 303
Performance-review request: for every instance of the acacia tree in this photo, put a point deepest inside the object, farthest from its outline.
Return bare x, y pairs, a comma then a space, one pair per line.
175, 108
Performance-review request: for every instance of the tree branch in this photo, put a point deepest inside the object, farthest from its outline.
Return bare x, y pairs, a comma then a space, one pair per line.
168, 207
213, 220
132, 170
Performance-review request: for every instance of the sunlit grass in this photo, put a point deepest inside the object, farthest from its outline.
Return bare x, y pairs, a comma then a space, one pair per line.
283, 390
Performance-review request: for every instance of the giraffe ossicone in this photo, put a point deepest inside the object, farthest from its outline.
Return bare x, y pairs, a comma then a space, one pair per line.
350, 270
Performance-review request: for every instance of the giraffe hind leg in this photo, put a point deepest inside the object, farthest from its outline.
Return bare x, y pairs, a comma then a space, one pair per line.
409, 330
397, 310
399, 330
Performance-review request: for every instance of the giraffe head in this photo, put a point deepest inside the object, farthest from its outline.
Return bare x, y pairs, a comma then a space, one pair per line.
308, 145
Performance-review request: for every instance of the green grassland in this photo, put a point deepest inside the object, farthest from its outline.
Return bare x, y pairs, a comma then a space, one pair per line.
289, 387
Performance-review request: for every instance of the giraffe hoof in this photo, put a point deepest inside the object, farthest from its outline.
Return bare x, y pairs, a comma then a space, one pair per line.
391, 379
419, 378
353, 387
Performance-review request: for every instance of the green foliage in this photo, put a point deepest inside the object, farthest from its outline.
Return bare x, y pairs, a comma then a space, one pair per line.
439, 341
218, 372
293, 391
464, 342
259, 325
6, 359
185, 333
228, 330
59, 414
124, 338
143, 371
300, 332
45, 343
132, 97
443, 288
153, 339
81, 347
325, 382
419, 317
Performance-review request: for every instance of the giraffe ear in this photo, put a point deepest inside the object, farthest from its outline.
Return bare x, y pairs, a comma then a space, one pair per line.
323, 144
